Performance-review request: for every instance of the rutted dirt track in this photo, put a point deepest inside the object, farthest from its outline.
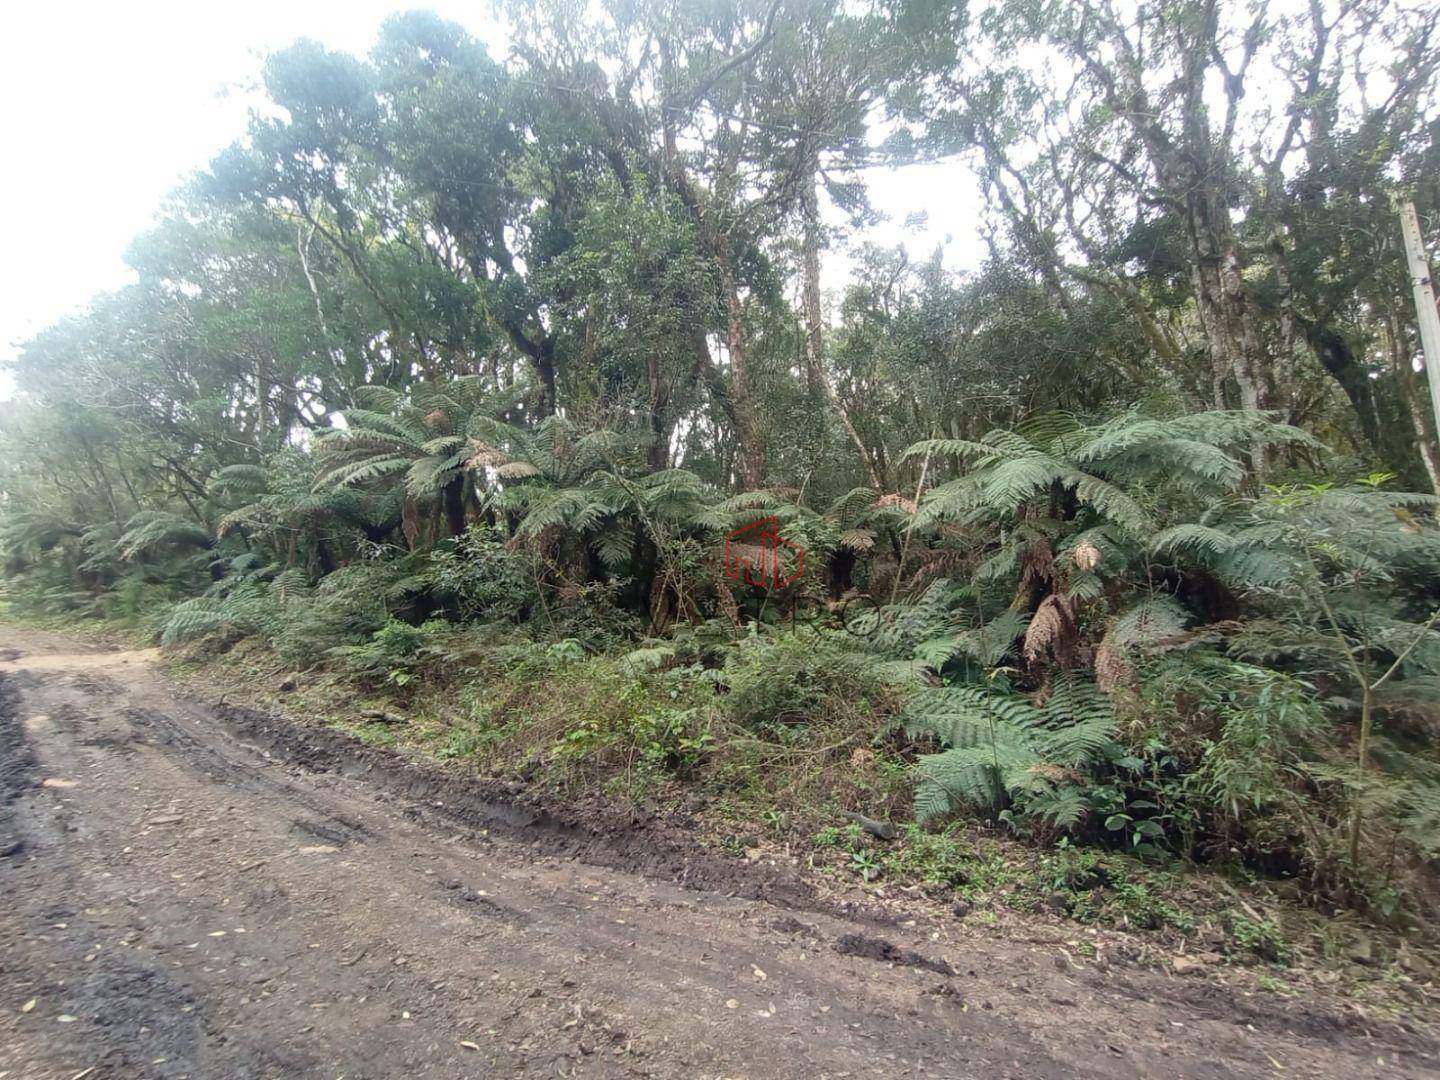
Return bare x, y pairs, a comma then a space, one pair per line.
196, 892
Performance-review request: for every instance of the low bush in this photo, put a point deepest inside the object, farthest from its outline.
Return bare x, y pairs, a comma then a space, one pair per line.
773, 681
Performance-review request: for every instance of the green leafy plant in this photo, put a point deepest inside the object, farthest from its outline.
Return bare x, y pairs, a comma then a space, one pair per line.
1008, 755
865, 864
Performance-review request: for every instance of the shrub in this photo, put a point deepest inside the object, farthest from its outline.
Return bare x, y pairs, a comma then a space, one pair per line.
396, 652
646, 744
344, 609
1224, 746
479, 578
786, 679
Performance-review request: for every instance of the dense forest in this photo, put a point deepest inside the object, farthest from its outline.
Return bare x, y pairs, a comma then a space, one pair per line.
452, 376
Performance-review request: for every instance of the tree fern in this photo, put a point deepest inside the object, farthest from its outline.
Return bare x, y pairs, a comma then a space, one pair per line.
1001, 749
1098, 465
152, 529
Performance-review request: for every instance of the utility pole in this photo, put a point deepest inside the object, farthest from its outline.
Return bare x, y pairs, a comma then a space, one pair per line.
1424, 287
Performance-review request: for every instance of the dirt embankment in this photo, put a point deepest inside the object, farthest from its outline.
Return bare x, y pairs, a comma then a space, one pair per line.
188, 891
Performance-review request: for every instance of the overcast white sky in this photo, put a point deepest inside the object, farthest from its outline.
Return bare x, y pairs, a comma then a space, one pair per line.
105, 106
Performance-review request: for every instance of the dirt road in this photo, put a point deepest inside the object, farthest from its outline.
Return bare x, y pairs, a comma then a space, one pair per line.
188, 891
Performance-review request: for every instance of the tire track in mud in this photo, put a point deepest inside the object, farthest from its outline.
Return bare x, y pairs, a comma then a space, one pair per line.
484, 810
410, 920
626, 844
650, 997
145, 1024
437, 795
641, 848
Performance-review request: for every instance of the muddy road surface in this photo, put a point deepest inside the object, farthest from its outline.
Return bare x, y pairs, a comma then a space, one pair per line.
195, 891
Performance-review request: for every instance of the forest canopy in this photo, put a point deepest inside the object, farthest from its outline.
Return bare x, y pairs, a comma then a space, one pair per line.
1126, 534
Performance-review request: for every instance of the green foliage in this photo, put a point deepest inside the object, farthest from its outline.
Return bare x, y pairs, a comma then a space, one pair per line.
302, 621
776, 681
1258, 938
151, 530
658, 743
482, 579
1251, 728
396, 653
448, 377
1101, 466
1005, 753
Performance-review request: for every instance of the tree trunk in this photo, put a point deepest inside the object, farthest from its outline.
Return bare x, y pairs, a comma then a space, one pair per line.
657, 454
545, 369
1362, 762
454, 499
810, 284
747, 428
323, 556
1337, 358
840, 572
1427, 440
1217, 273
1286, 398
815, 325
1223, 304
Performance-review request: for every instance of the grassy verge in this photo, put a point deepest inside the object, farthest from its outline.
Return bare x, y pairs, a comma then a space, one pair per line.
757, 756
86, 629
571, 727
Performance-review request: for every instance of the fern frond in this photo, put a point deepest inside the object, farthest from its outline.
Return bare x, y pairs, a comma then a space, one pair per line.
1200, 541
966, 448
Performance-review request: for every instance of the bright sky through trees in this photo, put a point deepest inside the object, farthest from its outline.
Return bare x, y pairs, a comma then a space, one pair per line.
107, 107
